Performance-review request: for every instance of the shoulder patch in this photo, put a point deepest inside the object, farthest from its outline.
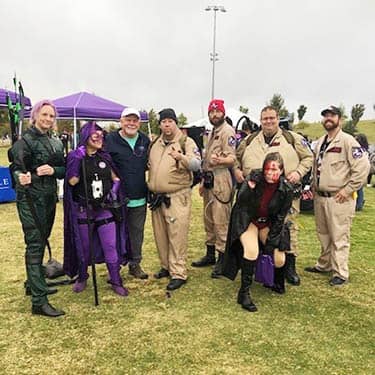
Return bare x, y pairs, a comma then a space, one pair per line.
232, 141
357, 152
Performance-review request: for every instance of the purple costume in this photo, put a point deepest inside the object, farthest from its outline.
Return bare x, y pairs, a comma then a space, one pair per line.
110, 238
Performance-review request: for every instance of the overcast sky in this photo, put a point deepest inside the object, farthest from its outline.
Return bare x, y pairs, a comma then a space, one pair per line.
156, 54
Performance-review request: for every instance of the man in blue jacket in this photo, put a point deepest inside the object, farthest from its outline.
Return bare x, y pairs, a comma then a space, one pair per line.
128, 148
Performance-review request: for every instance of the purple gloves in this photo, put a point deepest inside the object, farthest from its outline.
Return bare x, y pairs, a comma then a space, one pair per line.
115, 189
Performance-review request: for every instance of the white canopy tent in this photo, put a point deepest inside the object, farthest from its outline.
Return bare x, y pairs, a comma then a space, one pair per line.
236, 116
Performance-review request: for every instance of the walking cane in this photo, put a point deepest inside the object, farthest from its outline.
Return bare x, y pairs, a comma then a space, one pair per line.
90, 228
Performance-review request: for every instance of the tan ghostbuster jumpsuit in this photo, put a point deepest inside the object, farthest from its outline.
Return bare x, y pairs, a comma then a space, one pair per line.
171, 225
343, 165
217, 201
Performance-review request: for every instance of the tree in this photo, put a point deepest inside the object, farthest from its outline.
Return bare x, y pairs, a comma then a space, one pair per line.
343, 111
349, 127
277, 102
301, 111
182, 119
153, 121
243, 109
65, 124
357, 112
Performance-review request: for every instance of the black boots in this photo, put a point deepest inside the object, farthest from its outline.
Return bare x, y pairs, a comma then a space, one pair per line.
136, 271
218, 268
290, 270
46, 310
279, 281
208, 259
247, 271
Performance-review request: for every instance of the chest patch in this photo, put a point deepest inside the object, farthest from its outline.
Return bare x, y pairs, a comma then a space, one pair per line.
335, 149
102, 164
274, 144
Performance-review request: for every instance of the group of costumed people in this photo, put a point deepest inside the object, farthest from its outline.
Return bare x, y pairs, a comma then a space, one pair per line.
95, 212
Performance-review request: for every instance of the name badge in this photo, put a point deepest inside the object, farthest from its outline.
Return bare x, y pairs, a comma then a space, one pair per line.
335, 149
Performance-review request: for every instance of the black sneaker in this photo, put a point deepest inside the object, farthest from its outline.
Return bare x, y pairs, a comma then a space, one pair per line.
161, 273
175, 284
314, 270
337, 281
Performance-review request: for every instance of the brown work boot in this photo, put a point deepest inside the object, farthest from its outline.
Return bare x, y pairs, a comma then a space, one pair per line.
137, 271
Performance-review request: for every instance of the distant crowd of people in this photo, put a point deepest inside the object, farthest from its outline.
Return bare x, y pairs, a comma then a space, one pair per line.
250, 189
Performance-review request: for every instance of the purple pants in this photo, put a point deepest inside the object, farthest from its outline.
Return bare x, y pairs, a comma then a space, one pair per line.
107, 237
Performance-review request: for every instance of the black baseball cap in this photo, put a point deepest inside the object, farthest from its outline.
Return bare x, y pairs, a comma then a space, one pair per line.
331, 109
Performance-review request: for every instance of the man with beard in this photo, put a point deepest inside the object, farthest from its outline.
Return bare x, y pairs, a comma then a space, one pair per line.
216, 186
297, 157
340, 168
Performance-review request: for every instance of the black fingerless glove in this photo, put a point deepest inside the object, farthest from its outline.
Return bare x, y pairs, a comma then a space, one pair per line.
256, 175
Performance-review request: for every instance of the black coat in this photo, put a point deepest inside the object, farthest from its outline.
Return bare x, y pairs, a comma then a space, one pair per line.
245, 210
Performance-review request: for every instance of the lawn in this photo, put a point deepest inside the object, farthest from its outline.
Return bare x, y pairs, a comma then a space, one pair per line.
316, 130
199, 329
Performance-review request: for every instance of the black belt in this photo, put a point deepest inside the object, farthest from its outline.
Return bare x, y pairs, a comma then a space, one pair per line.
97, 223
325, 194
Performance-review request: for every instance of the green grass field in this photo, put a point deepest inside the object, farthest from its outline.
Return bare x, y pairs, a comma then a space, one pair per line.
316, 130
313, 329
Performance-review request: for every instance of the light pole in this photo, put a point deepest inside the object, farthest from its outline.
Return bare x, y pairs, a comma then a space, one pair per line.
214, 55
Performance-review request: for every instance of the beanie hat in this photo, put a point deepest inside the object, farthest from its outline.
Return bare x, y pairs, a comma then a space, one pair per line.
216, 104
167, 113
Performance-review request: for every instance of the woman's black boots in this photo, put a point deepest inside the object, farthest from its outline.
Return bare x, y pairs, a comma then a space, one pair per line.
244, 299
279, 281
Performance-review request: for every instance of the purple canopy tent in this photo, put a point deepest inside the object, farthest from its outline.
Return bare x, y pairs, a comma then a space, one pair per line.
13, 97
85, 106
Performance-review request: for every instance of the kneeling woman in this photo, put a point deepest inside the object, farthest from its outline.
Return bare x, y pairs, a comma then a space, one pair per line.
263, 201
110, 244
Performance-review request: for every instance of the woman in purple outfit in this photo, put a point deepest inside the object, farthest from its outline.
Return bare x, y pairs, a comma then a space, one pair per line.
109, 235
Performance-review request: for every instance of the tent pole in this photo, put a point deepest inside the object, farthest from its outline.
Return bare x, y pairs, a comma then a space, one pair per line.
74, 129
149, 130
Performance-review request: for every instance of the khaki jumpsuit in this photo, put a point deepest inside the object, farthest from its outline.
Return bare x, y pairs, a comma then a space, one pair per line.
171, 225
298, 158
343, 165
217, 201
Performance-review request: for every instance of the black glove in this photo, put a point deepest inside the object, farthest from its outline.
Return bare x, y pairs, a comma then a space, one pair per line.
155, 202
256, 175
